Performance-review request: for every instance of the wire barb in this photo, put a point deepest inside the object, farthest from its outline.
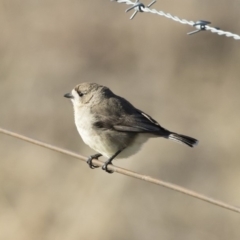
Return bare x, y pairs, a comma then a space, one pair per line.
200, 25
126, 172
138, 6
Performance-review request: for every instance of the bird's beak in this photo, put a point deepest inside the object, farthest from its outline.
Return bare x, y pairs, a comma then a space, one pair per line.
68, 95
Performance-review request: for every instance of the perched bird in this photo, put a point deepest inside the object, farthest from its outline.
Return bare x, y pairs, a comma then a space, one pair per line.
112, 126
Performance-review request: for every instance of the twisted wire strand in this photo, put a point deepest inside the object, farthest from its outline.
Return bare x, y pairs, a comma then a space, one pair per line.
183, 21
126, 172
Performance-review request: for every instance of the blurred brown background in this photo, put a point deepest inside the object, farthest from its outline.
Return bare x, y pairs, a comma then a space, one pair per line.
190, 84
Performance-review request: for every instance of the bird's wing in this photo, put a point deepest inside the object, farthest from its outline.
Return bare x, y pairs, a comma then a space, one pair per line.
120, 115
139, 122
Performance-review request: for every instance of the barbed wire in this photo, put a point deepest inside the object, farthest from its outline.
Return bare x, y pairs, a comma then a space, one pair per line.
126, 172
200, 25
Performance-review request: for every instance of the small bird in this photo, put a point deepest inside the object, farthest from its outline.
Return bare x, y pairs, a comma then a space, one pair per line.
112, 126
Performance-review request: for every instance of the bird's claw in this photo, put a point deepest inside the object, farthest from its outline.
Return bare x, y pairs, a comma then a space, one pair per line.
105, 167
89, 161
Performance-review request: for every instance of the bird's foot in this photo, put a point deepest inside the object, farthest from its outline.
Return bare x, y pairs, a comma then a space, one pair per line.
89, 161
105, 167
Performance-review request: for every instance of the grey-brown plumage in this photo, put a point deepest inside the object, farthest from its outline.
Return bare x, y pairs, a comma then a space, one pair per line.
111, 125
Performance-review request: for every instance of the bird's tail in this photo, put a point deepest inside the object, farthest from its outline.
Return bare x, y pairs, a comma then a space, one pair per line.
191, 142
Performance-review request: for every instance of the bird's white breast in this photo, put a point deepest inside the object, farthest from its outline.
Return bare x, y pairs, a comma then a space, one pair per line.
84, 123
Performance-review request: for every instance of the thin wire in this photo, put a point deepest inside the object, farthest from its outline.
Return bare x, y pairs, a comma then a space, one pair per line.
183, 21
126, 172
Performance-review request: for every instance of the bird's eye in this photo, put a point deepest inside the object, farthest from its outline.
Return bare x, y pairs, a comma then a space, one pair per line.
80, 94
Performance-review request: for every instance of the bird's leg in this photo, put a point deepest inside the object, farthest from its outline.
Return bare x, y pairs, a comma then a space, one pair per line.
89, 161
109, 161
